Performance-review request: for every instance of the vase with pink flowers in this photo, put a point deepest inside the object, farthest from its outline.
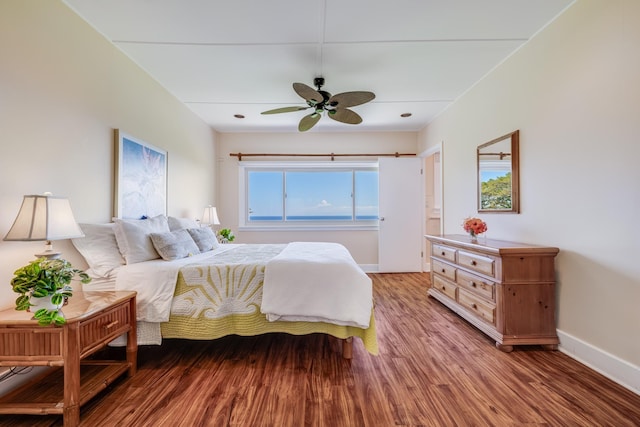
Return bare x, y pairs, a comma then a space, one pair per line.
474, 226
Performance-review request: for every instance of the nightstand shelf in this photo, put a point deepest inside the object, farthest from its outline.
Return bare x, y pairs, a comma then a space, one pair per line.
93, 320
44, 394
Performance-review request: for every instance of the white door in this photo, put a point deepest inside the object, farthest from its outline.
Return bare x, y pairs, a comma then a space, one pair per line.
400, 206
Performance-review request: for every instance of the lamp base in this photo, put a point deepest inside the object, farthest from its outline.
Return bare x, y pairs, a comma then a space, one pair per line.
49, 254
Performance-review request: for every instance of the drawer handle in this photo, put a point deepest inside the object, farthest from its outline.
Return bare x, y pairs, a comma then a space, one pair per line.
474, 306
473, 263
443, 254
111, 325
444, 288
473, 284
444, 271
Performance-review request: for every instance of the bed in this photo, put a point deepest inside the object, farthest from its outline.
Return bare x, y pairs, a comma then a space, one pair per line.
190, 287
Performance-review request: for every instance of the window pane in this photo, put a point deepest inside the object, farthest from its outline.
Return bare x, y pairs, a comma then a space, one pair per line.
319, 195
366, 195
265, 195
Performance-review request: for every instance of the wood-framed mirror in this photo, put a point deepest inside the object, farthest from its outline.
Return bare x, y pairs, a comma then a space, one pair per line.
499, 174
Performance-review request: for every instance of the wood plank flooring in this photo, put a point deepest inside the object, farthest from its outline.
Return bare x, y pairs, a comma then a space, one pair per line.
433, 370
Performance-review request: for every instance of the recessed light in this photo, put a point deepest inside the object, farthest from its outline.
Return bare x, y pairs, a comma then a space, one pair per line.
405, 115
238, 116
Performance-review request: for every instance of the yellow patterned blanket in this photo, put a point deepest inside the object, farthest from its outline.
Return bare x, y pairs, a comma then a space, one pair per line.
215, 300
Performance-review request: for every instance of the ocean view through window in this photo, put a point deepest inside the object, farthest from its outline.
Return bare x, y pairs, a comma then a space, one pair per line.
287, 194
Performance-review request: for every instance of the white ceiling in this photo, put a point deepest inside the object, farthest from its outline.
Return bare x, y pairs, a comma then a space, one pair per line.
241, 57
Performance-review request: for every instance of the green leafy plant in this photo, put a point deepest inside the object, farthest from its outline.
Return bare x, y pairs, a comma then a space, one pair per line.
227, 234
43, 278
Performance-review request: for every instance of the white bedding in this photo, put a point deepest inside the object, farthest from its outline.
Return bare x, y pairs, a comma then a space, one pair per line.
307, 281
317, 282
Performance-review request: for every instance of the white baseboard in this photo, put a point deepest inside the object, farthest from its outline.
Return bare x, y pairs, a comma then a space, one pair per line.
612, 367
369, 268
373, 268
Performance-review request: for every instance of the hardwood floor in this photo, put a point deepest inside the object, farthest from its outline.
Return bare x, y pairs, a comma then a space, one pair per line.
433, 370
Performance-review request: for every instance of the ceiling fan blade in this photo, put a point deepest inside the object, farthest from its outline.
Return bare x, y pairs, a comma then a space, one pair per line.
345, 115
350, 99
309, 121
284, 110
308, 93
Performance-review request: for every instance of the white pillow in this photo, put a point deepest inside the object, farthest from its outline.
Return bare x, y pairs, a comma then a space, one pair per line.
181, 223
174, 244
99, 248
204, 237
133, 238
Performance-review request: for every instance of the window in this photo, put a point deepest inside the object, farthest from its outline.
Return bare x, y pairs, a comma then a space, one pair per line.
308, 194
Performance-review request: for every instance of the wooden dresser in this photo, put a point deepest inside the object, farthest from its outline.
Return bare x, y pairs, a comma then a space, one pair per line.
93, 319
505, 289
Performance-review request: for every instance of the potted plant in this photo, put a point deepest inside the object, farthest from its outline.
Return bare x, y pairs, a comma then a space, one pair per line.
226, 235
44, 285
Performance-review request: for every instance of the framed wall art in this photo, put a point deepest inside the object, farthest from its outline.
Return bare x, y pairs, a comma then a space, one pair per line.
140, 178
499, 174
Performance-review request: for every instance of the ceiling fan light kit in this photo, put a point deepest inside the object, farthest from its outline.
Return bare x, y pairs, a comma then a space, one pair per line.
336, 106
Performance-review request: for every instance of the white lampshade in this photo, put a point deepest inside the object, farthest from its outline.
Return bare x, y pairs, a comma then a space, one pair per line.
44, 217
210, 216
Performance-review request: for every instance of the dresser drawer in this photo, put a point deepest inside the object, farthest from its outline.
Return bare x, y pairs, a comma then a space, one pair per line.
104, 327
443, 269
444, 252
444, 286
477, 262
477, 305
476, 284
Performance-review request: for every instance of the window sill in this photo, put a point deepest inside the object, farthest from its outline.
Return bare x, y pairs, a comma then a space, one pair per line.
309, 227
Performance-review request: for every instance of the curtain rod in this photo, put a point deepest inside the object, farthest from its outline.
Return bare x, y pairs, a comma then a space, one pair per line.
501, 154
332, 155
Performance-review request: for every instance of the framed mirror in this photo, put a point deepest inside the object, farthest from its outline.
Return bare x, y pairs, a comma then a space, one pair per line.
498, 175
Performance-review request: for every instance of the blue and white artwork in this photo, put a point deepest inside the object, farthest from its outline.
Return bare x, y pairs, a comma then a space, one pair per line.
142, 179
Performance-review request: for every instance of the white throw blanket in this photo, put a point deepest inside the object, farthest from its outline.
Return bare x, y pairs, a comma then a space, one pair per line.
317, 282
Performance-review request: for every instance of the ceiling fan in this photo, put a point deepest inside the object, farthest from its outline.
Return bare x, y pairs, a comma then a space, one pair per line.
320, 101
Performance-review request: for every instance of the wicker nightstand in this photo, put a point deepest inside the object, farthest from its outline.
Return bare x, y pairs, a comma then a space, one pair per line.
93, 320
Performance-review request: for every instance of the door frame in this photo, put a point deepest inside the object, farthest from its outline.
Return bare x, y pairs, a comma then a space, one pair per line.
438, 148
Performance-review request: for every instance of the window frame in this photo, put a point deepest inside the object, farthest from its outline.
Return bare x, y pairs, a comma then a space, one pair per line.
294, 225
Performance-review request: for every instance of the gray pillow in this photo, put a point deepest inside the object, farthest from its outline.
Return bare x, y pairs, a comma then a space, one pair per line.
204, 237
181, 223
174, 244
133, 240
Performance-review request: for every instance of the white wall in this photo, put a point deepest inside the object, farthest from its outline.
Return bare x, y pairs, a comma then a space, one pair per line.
573, 91
63, 89
363, 245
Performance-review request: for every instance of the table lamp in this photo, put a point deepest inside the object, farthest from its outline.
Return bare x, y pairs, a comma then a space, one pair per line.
44, 217
210, 216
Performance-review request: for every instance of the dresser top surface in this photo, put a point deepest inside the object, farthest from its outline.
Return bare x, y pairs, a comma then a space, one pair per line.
492, 246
